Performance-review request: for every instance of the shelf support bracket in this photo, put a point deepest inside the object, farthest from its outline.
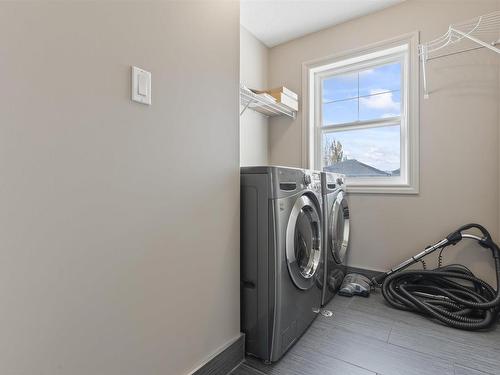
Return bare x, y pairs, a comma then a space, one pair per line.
423, 57
478, 41
246, 106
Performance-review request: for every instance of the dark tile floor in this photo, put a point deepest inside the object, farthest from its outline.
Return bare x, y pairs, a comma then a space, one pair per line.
365, 336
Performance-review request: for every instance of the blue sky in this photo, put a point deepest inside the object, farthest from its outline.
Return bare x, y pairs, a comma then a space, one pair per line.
378, 97
378, 147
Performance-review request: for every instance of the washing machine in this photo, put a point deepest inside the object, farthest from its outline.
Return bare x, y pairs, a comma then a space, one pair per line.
336, 229
281, 251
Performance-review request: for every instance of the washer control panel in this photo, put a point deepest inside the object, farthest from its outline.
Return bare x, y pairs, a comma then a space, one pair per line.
291, 180
307, 179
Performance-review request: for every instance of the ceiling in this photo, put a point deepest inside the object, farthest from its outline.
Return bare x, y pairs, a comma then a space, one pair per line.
277, 21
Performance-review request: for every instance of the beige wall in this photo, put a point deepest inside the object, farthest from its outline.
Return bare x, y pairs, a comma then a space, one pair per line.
459, 126
253, 125
119, 227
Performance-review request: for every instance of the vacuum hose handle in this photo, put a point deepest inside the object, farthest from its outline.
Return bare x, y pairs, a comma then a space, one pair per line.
452, 239
377, 281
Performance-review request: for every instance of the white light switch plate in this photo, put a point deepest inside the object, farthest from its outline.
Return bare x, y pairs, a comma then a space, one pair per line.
141, 85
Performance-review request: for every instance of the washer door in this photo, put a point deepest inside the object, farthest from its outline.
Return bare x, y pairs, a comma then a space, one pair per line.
339, 228
303, 242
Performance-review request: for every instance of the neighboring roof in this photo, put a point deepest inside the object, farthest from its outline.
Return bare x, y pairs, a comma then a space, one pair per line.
352, 167
277, 21
396, 172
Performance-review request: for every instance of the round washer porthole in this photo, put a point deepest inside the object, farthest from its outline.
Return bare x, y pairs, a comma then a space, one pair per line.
303, 242
339, 228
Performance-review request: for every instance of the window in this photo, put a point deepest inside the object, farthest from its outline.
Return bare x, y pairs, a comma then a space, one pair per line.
363, 117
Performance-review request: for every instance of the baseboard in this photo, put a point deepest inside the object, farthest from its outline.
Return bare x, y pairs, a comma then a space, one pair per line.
363, 271
223, 362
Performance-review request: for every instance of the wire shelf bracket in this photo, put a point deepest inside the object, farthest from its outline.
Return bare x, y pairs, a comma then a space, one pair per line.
483, 31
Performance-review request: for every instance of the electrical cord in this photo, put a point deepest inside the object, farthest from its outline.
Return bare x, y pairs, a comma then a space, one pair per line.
440, 257
452, 294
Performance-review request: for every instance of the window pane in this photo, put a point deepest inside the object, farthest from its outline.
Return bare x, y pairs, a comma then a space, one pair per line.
340, 112
340, 87
371, 152
380, 79
379, 106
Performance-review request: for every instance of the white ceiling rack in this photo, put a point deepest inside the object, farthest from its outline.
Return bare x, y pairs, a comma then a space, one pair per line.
482, 31
259, 103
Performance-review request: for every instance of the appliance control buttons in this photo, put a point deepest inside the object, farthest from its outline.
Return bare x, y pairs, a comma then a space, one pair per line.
307, 179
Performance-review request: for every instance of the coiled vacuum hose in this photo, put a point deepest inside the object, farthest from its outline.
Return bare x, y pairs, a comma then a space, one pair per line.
450, 294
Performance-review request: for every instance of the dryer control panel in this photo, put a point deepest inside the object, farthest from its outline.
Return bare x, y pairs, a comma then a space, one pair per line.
332, 181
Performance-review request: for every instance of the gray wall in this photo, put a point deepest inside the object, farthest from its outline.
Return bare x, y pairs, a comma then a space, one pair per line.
119, 227
254, 126
459, 128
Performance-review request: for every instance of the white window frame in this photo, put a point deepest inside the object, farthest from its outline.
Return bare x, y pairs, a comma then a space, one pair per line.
404, 49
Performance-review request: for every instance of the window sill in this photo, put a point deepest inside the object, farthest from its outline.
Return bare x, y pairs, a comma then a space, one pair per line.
382, 189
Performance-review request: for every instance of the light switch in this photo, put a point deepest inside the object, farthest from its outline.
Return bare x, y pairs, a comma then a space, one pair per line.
141, 85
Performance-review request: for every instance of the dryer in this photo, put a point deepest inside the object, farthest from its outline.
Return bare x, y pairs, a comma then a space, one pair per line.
281, 251
336, 230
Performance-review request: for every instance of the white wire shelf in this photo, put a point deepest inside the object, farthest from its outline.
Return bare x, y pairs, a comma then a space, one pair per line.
481, 31
249, 99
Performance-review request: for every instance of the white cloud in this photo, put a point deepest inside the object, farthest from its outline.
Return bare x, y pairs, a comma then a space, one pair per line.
379, 156
380, 99
366, 72
379, 147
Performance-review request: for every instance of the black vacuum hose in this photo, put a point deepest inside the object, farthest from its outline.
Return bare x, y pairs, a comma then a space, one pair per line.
450, 294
